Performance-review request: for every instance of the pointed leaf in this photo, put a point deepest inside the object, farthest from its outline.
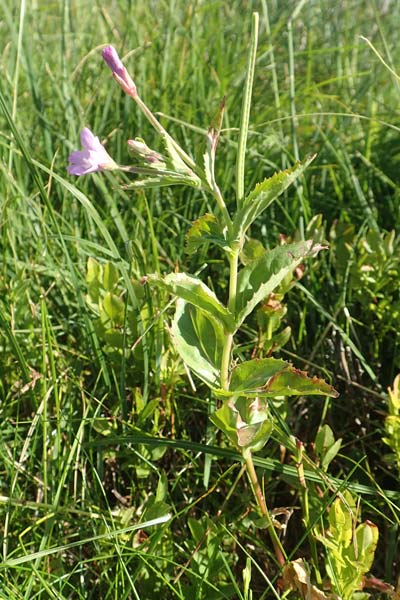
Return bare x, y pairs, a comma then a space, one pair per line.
264, 194
270, 377
196, 292
205, 230
261, 277
163, 180
199, 339
326, 447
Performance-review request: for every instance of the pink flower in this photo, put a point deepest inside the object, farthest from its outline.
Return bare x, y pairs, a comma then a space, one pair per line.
92, 158
119, 72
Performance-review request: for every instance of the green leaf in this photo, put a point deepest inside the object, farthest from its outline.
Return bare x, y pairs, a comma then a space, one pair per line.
341, 517
245, 424
363, 552
260, 278
114, 308
196, 292
254, 436
225, 419
114, 338
93, 276
110, 276
163, 180
199, 339
93, 270
162, 487
156, 510
264, 194
269, 377
252, 250
207, 229
326, 447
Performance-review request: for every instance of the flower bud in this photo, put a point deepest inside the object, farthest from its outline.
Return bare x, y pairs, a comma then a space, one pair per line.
119, 72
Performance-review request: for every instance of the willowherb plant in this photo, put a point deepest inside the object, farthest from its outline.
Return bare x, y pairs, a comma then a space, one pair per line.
204, 327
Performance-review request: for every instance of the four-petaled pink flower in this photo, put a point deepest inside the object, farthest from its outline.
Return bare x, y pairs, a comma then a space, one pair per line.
119, 72
92, 158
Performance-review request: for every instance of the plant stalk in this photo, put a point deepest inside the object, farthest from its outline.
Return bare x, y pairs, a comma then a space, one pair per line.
251, 472
227, 350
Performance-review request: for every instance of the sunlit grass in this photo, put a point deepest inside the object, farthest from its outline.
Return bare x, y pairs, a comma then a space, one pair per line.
79, 481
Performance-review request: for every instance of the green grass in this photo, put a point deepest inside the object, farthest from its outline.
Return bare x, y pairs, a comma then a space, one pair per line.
95, 446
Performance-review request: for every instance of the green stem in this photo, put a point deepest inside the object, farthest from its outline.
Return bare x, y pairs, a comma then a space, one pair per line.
251, 472
233, 277
245, 116
226, 361
220, 201
157, 125
227, 350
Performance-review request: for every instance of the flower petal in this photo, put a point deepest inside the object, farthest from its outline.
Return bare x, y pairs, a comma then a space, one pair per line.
93, 158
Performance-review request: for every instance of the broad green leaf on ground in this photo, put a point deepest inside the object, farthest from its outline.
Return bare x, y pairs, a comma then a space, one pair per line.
205, 230
269, 377
264, 194
260, 278
196, 292
199, 339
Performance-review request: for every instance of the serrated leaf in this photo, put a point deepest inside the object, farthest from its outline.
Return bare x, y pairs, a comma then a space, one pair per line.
269, 377
110, 276
259, 279
205, 230
264, 194
199, 339
196, 292
163, 180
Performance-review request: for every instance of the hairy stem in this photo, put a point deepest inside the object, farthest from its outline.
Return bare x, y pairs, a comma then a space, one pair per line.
157, 125
227, 350
251, 472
